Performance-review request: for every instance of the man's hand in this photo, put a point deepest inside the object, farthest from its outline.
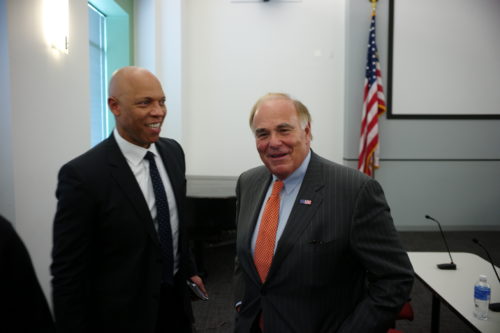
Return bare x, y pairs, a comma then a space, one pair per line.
199, 282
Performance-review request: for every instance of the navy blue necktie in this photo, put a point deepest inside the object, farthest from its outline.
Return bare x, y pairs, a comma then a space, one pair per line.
163, 219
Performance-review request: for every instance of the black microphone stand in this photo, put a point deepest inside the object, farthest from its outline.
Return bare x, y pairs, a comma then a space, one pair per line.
448, 266
495, 307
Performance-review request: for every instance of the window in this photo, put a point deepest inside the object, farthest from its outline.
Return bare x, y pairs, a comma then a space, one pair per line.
110, 48
101, 120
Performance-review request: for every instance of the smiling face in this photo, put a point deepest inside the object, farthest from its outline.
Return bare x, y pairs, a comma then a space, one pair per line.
281, 141
138, 103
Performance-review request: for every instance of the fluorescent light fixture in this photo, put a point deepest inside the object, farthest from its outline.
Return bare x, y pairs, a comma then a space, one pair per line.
57, 24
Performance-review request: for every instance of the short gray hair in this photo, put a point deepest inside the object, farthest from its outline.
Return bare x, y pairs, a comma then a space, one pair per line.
302, 111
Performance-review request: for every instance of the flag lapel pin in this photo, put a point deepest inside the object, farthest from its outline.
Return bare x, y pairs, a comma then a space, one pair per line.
305, 202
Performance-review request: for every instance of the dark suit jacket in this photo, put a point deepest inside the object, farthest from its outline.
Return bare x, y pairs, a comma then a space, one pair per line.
106, 256
339, 265
23, 307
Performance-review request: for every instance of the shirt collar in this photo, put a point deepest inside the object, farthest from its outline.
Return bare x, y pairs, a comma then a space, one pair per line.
133, 153
292, 181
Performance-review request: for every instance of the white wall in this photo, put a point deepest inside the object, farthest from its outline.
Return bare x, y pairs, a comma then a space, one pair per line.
236, 52
48, 103
158, 47
228, 55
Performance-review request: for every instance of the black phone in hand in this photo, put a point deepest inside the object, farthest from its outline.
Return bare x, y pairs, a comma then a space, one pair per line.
194, 288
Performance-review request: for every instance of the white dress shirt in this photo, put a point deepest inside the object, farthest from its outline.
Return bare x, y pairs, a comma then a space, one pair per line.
140, 167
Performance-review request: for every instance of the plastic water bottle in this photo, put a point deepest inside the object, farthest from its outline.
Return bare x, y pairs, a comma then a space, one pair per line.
482, 293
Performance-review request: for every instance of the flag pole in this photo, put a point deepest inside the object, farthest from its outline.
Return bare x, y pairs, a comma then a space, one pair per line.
373, 166
372, 162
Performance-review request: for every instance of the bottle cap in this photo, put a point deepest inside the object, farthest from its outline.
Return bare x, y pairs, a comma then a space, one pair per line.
482, 277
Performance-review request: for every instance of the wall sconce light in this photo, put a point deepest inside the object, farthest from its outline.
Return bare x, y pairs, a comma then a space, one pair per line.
57, 24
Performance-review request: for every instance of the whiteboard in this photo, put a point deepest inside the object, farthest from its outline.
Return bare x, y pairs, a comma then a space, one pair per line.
444, 59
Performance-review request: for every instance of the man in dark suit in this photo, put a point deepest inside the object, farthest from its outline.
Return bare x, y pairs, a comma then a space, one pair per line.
336, 263
23, 307
120, 255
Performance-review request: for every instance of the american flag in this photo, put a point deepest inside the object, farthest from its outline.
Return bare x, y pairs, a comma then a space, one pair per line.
373, 107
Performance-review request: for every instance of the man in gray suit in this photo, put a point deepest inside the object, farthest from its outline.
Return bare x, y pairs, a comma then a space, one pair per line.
337, 264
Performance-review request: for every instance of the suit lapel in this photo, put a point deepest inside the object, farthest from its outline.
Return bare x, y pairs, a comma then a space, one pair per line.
260, 191
174, 165
301, 214
174, 170
122, 174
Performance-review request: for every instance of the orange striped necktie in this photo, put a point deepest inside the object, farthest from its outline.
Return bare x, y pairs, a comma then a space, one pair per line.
266, 238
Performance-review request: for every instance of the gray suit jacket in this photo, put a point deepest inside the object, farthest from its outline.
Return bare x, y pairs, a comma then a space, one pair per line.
339, 265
